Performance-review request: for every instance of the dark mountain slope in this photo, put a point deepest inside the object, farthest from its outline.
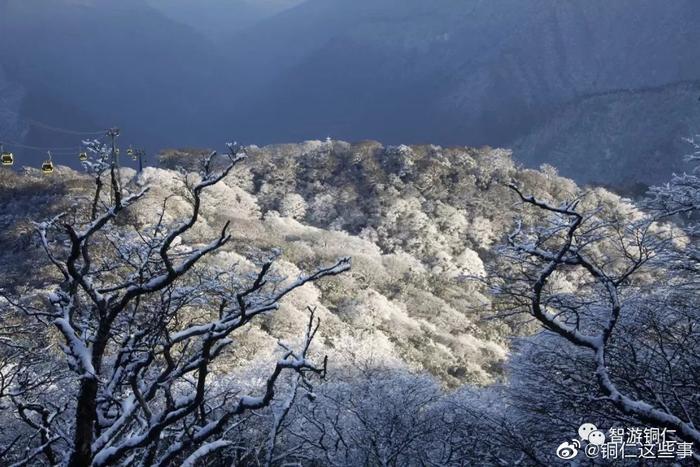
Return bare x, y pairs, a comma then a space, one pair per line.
121, 62
219, 19
628, 139
476, 72
464, 72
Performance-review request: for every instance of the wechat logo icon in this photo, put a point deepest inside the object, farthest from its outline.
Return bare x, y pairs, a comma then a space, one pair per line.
587, 432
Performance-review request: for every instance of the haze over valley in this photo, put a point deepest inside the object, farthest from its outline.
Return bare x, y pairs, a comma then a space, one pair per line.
502, 73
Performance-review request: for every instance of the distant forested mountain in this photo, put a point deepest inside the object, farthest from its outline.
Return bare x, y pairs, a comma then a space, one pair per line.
92, 64
627, 139
499, 72
219, 19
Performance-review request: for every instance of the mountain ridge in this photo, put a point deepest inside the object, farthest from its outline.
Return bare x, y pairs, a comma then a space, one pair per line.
455, 72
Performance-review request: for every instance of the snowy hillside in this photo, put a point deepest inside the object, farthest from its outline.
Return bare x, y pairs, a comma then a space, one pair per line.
211, 307
419, 223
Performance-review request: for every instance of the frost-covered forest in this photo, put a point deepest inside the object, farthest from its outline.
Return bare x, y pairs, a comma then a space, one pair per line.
328, 303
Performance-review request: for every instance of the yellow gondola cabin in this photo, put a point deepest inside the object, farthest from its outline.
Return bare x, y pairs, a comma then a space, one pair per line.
47, 166
7, 158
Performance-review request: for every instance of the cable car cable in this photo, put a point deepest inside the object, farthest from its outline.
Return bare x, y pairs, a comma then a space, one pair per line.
34, 122
45, 126
38, 148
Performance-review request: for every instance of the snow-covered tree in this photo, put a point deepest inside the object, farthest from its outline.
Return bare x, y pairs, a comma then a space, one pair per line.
293, 205
620, 289
144, 331
376, 415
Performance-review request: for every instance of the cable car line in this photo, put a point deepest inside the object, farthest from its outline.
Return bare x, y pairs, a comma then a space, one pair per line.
7, 158
38, 148
45, 126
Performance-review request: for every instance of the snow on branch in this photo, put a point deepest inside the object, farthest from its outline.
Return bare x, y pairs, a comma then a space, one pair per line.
588, 317
144, 327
